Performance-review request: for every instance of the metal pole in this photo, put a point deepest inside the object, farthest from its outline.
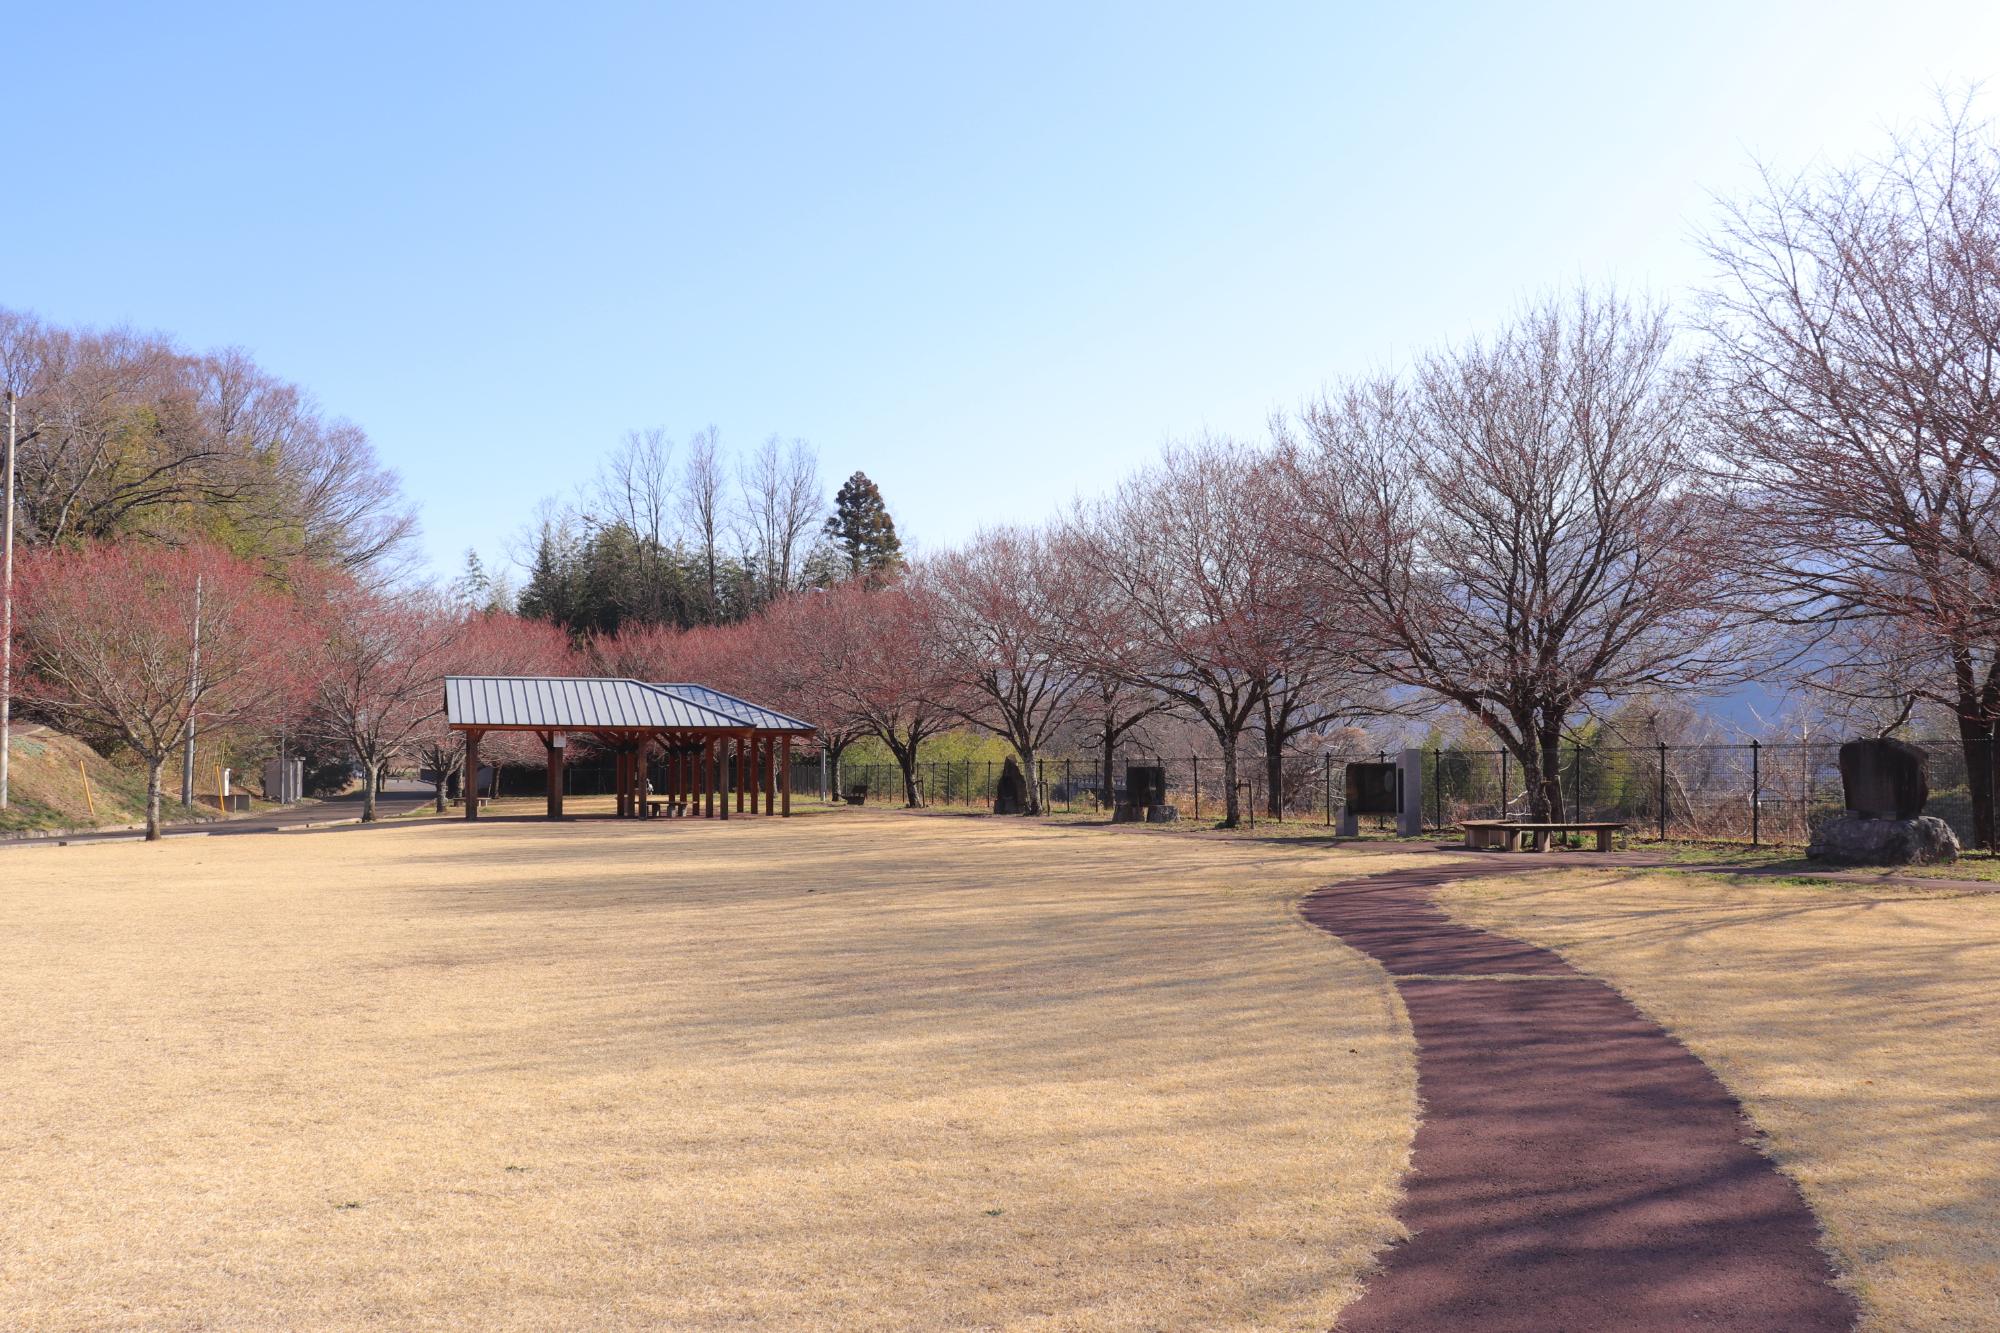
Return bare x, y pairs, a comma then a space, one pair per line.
7, 606
1326, 779
1756, 792
1196, 761
1503, 782
1663, 791
194, 688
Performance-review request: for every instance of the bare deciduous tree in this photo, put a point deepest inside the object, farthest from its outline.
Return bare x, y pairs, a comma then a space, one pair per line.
1517, 526
1200, 604
1857, 322
998, 619
702, 508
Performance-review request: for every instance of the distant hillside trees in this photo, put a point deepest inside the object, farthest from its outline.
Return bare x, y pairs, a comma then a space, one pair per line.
658, 539
123, 434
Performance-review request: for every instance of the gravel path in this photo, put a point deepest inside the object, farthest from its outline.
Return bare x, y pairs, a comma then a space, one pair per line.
1577, 1168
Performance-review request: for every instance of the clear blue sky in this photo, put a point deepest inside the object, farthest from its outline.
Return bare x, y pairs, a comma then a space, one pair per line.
992, 255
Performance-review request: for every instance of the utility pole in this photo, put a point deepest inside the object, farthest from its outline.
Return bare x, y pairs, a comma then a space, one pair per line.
194, 691
7, 608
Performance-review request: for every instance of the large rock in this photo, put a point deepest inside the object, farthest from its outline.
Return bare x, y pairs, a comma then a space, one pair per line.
1859, 841
1884, 779
1010, 796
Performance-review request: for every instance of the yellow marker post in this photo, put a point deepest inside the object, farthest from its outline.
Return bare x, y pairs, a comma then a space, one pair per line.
88, 799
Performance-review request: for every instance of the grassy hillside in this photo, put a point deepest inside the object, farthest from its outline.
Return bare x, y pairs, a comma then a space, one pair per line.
46, 785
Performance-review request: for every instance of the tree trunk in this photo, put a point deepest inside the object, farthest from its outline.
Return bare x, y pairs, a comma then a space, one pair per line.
1232, 805
906, 760
1977, 741
437, 785
1274, 772
370, 777
1547, 792
1110, 758
1028, 772
153, 772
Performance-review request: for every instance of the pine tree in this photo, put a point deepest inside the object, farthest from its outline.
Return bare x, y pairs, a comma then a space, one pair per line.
861, 525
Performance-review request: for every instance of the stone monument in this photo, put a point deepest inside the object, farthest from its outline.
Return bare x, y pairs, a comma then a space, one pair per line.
1010, 797
1145, 797
1886, 783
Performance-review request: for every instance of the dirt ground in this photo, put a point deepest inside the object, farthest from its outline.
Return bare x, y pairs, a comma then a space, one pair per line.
1860, 1028
851, 1070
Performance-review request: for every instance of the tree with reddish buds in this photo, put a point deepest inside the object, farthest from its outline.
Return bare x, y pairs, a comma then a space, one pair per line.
492, 643
386, 655
1199, 600
876, 654
143, 642
996, 615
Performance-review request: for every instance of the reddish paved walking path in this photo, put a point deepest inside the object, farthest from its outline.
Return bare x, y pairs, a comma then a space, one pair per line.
1576, 1168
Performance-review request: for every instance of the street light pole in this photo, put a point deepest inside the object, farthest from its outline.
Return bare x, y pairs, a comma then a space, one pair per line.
7, 606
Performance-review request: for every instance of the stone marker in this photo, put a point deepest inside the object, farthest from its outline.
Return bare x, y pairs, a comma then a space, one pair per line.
1010, 797
1884, 779
1145, 797
1886, 784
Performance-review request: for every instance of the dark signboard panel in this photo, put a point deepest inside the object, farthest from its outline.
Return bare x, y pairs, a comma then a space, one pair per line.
1373, 789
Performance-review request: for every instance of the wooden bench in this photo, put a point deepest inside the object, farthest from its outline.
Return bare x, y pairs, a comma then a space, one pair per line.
1515, 835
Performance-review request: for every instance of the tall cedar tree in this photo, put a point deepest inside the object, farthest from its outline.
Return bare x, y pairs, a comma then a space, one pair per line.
860, 523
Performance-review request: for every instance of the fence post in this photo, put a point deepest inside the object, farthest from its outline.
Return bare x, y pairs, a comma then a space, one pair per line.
1661, 806
1437, 781
1196, 761
1756, 792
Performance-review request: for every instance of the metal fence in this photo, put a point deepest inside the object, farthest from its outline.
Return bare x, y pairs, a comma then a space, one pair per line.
1752, 792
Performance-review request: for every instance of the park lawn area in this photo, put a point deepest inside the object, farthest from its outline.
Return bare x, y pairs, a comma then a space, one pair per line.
848, 1070
1858, 1026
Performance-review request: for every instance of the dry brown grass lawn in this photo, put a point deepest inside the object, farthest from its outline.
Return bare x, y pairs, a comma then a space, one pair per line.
1861, 1029
853, 1070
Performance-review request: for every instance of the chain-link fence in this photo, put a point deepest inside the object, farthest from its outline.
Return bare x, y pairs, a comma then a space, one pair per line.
1753, 791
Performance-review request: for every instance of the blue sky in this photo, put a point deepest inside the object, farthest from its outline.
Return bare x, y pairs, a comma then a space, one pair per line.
994, 256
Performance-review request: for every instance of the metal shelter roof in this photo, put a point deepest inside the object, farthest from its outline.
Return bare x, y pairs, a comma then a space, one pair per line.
754, 714
576, 703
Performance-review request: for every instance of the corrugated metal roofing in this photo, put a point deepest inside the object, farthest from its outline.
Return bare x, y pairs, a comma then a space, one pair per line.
764, 719
578, 703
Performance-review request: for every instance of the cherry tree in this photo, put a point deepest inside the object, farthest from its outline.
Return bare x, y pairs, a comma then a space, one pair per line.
492, 643
996, 607
144, 642
382, 688
1200, 603
876, 653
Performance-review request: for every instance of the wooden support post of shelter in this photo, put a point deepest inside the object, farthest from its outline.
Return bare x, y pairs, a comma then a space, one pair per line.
472, 774
556, 746
785, 776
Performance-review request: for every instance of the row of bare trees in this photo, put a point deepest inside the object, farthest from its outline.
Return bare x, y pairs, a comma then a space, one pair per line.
1594, 503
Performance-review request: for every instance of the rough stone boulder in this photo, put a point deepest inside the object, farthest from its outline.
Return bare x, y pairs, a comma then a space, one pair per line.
1859, 841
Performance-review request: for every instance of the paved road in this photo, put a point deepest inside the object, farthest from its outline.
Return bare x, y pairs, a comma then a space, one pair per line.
398, 797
